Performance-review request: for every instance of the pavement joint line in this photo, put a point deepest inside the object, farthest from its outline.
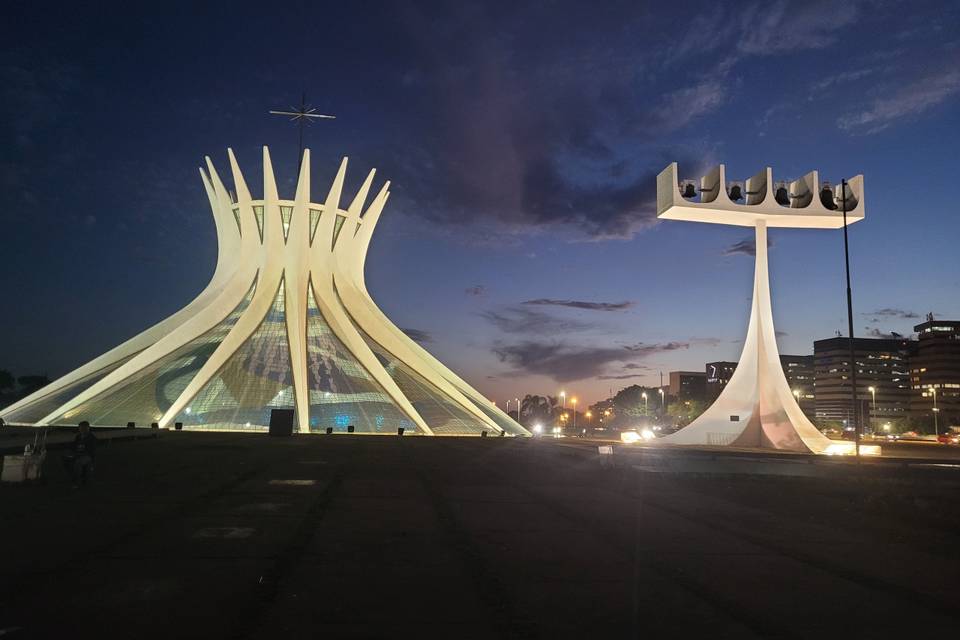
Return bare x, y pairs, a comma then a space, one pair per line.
492, 592
760, 624
28, 583
926, 601
270, 583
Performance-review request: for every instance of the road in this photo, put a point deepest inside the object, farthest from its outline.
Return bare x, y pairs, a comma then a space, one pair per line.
245, 536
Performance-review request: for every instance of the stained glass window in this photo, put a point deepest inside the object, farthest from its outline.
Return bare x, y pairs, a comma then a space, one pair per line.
342, 391
255, 379
285, 214
46, 405
442, 415
146, 395
314, 219
338, 223
258, 212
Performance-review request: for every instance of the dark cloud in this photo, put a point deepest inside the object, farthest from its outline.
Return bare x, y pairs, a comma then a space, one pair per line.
579, 304
746, 247
873, 332
567, 363
890, 312
520, 320
626, 376
418, 335
520, 140
475, 290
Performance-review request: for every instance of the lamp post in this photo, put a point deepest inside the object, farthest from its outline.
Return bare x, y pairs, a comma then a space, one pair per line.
936, 411
518, 409
663, 401
873, 405
573, 401
853, 359
646, 407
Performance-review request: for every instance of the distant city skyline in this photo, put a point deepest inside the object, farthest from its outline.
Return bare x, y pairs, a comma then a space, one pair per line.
520, 244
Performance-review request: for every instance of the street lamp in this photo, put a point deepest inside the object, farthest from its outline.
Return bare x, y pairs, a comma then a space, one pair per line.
873, 404
663, 401
563, 398
573, 401
936, 411
518, 409
646, 408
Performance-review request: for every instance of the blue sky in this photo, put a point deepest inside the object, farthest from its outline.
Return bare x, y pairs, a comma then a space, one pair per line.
522, 140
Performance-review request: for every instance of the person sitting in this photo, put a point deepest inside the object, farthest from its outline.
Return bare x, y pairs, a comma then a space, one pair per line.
79, 461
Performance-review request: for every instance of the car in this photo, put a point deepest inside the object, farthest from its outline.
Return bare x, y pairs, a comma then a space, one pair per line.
949, 438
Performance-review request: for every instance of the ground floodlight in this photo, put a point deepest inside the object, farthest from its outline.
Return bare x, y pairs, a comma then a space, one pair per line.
400, 431
178, 426
329, 430
350, 428
131, 425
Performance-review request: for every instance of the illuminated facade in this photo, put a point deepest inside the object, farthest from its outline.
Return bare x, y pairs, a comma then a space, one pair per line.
757, 407
286, 322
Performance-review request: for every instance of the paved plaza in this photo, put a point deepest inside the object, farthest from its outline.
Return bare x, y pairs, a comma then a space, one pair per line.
201, 535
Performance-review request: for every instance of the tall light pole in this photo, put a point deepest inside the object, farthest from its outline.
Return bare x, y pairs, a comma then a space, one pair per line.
573, 401
873, 405
646, 407
853, 359
663, 401
518, 409
936, 411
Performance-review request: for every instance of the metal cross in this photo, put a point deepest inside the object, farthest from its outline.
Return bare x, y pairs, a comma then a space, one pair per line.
302, 116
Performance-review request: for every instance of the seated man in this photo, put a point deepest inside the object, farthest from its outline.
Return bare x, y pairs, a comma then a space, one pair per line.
82, 454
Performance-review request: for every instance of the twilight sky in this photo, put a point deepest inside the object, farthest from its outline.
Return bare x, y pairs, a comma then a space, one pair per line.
523, 139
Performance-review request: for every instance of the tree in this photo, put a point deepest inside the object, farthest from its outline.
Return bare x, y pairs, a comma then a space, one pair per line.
685, 411
6, 381
29, 384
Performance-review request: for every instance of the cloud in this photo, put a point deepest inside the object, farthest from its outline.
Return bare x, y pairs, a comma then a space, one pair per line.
873, 332
774, 28
567, 363
679, 107
520, 320
621, 377
891, 313
533, 128
418, 335
746, 247
579, 304
475, 290
904, 101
